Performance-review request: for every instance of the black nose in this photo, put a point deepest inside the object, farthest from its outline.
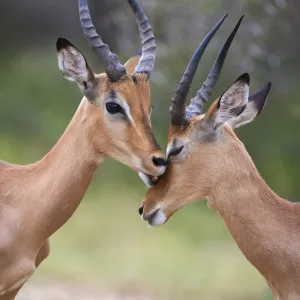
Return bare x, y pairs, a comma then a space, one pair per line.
141, 210
158, 161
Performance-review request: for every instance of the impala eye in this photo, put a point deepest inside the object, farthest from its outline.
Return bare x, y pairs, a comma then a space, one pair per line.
175, 151
114, 108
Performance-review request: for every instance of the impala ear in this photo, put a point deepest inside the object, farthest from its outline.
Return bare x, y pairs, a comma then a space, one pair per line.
74, 67
133, 62
231, 104
254, 107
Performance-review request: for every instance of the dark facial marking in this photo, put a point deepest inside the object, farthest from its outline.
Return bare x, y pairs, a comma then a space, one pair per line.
148, 130
112, 94
135, 80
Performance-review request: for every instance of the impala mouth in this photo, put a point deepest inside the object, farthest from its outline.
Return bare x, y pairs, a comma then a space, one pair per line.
147, 179
155, 218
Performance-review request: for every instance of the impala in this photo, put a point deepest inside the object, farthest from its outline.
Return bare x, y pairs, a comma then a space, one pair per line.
113, 120
206, 160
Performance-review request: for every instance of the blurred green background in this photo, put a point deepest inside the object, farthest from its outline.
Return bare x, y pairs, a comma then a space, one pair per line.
105, 244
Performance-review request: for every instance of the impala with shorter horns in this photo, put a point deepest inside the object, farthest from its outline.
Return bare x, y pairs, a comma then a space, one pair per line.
206, 160
113, 120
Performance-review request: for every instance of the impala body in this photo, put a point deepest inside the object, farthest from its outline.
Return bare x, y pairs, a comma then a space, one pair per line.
113, 120
206, 160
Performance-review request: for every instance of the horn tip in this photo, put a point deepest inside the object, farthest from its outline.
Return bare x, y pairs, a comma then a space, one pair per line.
241, 19
237, 26
223, 18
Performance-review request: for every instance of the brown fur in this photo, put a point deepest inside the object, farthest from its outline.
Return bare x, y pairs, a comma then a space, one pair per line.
265, 227
37, 199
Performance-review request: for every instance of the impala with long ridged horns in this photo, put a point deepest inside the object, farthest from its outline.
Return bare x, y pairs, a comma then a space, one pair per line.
206, 160
113, 120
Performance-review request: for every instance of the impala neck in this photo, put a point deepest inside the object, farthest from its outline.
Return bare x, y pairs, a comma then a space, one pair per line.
253, 214
65, 173
244, 193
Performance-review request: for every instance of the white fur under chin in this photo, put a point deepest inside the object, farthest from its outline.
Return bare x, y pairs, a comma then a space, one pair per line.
158, 219
161, 170
146, 179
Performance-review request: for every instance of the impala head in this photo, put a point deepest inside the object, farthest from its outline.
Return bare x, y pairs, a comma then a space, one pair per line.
203, 151
117, 103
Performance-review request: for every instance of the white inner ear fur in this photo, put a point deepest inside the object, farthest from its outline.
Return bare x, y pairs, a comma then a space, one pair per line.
232, 103
73, 66
245, 117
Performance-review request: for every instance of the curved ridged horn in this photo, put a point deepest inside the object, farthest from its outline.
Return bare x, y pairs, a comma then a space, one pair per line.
113, 68
177, 110
147, 60
196, 105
